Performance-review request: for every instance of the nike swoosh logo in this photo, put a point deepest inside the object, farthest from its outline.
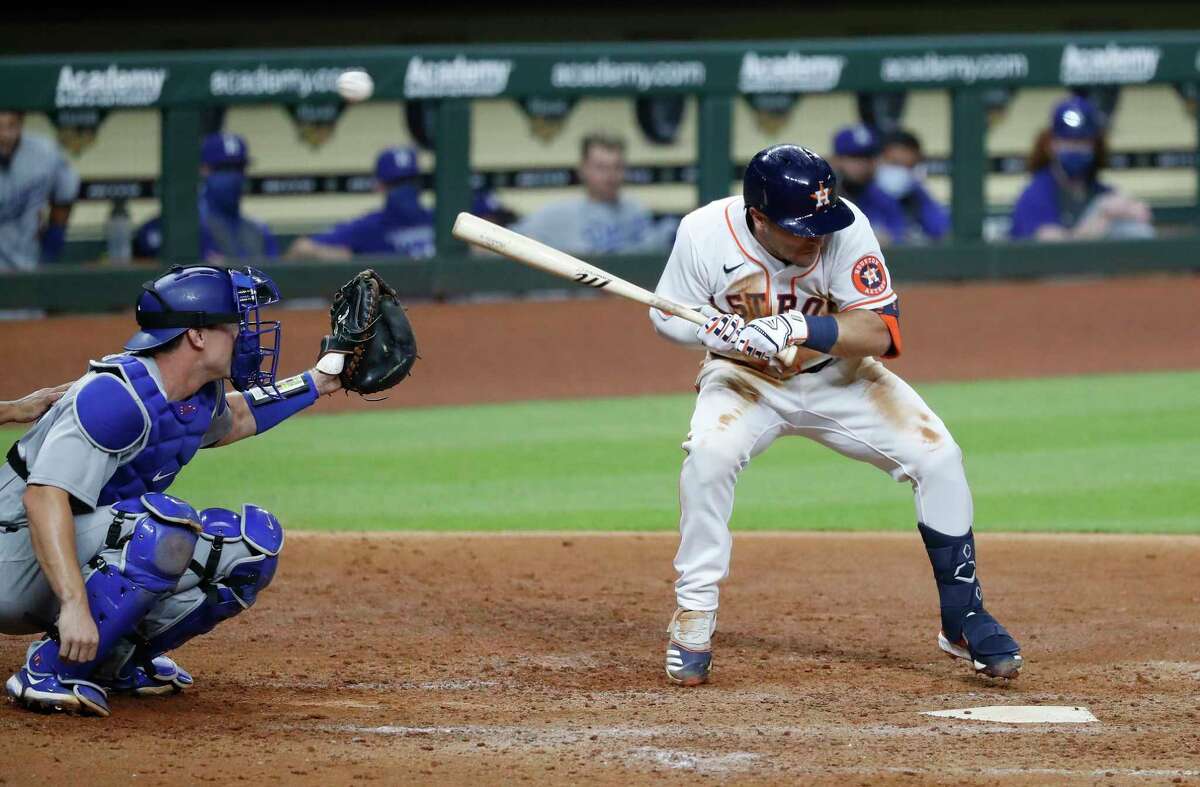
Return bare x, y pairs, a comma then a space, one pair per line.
734, 268
161, 475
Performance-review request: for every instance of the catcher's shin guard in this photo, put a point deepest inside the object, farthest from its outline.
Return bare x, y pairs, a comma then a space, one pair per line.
148, 549
968, 631
235, 558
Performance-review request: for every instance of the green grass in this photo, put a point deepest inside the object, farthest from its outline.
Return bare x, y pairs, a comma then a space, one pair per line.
1104, 453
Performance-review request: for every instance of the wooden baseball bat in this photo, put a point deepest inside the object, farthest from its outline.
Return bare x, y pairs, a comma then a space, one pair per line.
535, 254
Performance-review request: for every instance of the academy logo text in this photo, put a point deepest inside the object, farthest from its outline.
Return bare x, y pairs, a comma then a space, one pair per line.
617, 73
267, 81
790, 73
109, 87
462, 76
1112, 64
964, 69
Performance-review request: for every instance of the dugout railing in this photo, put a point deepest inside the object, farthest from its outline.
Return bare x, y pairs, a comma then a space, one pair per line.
183, 85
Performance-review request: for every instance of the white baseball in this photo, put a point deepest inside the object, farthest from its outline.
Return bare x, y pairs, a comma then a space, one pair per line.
355, 85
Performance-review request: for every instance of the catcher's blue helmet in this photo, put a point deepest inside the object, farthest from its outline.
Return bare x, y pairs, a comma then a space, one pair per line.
198, 296
797, 190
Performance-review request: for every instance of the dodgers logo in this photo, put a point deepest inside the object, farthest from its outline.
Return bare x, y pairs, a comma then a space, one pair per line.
869, 275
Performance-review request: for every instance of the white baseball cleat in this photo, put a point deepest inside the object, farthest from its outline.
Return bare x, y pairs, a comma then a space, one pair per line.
689, 650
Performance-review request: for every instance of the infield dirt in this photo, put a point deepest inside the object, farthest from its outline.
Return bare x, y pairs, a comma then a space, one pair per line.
401, 658
404, 658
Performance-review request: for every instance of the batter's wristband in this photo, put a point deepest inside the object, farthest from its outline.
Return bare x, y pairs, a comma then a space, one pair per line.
822, 333
298, 393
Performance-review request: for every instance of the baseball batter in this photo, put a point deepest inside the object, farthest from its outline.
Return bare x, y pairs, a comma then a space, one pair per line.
792, 264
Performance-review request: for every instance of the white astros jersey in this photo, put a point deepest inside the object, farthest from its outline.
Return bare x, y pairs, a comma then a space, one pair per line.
716, 260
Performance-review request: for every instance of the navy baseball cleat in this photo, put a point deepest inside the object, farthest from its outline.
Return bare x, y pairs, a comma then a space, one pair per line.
689, 650
986, 644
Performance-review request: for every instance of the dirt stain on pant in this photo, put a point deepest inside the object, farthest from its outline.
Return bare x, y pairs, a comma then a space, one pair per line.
729, 418
742, 389
745, 391
882, 392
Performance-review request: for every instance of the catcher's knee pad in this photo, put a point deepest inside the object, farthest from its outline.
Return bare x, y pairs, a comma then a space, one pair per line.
235, 558
151, 540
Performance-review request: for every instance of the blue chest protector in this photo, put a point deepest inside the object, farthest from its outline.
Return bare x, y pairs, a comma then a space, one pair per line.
174, 432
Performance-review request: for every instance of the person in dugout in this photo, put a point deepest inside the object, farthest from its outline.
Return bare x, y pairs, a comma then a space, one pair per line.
856, 160
901, 175
226, 233
1065, 198
402, 227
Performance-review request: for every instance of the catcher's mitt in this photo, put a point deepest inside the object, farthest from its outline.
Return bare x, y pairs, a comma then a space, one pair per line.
372, 335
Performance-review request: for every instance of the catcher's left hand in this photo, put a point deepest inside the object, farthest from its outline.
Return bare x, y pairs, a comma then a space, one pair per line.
372, 336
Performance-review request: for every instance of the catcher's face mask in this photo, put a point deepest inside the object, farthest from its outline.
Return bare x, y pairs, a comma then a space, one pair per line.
256, 351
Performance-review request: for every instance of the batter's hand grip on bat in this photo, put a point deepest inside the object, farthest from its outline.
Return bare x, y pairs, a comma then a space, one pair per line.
536, 254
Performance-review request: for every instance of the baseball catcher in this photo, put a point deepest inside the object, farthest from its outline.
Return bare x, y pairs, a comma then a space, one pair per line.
96, 554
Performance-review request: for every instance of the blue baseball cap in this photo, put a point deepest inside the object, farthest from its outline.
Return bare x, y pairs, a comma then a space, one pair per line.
396, 164
224, 150
1076, 118
856, 140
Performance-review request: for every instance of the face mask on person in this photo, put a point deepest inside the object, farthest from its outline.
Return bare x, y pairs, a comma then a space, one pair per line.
1075, 163
895, 181
223, 192
402, 201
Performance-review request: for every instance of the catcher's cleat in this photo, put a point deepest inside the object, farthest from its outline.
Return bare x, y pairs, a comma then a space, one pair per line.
986, 644
689, 650
161, 676
49, 693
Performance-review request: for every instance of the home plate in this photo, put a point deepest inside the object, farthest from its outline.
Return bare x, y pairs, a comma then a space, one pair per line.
1020, 714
